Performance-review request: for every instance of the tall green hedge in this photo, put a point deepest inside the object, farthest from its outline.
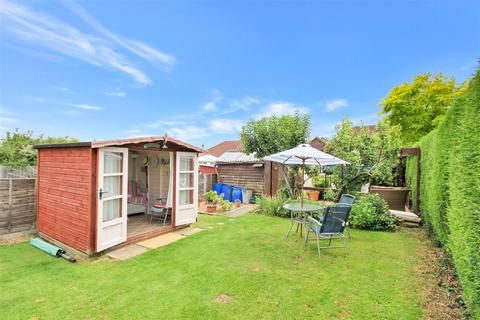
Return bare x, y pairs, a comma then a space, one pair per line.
450, 187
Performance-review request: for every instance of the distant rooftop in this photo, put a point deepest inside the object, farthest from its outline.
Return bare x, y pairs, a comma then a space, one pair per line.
237, 157
222, 147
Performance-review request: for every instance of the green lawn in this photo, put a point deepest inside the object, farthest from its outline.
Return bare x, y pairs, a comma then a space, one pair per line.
247, 259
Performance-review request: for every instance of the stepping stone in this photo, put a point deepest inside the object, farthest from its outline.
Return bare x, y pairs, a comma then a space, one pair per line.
160, 241
188, 231
127, 252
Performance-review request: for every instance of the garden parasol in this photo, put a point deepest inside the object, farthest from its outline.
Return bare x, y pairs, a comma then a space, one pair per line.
304, 154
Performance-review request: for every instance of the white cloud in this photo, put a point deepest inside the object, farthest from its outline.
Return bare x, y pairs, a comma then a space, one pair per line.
332, 105
244, 104
99, 50
7, 118
71, 112
116, 93
282, 108
226, 125
189, 133
36, 99
211, 105
65, 89
139, 48
165, 123
87, 107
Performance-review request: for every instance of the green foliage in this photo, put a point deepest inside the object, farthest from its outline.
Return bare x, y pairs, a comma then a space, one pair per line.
373, 156
329, 195
419, 107
272, 206
16, 149
273, 134
319, 181
371, 213
450, 187
211, 196
225, 205
285, 190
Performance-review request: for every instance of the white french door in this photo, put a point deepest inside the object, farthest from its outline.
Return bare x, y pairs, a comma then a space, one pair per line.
112, 196
186, 188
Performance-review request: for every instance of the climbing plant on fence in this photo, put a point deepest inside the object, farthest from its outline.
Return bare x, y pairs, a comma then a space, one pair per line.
450, 187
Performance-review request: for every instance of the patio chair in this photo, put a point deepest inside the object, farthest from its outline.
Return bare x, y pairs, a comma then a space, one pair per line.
346, 199
332, 226
158, 210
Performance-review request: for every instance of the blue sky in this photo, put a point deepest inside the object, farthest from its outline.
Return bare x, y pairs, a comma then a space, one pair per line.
197, 70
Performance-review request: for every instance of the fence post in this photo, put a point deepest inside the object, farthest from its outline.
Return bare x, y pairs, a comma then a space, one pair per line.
9, 216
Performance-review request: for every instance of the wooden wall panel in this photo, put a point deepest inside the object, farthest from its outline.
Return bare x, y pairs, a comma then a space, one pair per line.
65, 182
244, 175
17, 205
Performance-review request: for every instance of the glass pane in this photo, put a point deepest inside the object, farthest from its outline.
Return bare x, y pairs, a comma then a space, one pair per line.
186, 164
186, 180
112, 186
186, 197
113, 162
112, 209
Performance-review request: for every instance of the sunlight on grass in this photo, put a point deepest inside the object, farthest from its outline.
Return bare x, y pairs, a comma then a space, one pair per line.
241, 268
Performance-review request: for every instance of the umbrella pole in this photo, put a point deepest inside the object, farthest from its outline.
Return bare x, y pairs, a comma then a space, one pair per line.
303, 182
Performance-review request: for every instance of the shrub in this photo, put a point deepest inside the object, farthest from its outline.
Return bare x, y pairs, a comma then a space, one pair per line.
211, 196
450, 188
272, 206
371, 213
329, 195
225, 205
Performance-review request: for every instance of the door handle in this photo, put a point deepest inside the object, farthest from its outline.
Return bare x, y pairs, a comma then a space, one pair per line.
101, 193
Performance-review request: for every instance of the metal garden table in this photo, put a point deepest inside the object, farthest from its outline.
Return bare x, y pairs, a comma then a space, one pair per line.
303, 211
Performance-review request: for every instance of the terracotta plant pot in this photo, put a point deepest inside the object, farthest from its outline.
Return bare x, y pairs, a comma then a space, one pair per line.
314, 195
237, 203
211, 208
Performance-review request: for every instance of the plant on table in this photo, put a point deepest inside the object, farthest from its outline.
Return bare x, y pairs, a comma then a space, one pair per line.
371, 213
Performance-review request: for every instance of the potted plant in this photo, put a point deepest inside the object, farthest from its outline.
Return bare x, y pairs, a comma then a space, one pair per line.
314, 195
237, 203
212, 199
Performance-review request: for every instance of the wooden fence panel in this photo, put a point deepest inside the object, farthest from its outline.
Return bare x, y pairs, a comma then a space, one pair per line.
17, 205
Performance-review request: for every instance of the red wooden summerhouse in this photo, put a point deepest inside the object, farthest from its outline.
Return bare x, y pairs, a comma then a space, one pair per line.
95, 195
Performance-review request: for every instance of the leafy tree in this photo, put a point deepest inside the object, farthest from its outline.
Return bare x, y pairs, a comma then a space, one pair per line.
16, 149
373, 156
273, 134
418, 107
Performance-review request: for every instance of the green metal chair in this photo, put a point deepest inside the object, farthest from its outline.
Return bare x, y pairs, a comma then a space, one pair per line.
332, 226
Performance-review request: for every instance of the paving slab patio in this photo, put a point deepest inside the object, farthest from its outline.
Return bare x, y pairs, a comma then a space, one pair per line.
188, 231
127, 252
161, 241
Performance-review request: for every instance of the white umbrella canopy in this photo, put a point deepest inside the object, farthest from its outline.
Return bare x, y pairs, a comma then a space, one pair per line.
304, 154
